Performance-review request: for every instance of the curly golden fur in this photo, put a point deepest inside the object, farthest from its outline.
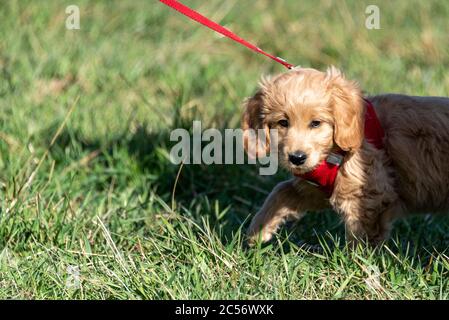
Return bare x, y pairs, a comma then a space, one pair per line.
316, 112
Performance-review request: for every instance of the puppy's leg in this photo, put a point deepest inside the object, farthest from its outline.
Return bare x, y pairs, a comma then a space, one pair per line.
374, 226
289, 199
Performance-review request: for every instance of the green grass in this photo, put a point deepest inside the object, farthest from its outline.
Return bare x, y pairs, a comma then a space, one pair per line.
100, 196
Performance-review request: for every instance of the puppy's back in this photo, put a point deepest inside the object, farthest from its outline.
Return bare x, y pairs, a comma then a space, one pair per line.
417, 141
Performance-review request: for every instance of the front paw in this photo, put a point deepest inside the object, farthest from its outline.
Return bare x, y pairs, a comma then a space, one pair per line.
256, 234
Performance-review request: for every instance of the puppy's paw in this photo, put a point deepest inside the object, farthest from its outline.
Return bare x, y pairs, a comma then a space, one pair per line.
255, 236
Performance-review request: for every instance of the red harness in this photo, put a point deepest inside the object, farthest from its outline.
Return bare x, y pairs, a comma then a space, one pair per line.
324, 175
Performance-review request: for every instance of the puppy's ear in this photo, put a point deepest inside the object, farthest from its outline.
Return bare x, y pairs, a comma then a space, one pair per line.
255, 141
348, 111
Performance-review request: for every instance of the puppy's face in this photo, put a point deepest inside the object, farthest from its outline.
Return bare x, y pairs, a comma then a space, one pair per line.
313, 112
305, 130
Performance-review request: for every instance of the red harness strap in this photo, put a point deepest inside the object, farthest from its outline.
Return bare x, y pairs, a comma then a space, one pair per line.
194, 15
325, 174
374, 133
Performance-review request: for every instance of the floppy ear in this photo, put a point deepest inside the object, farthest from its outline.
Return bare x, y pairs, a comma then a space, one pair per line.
255, 142
348, 111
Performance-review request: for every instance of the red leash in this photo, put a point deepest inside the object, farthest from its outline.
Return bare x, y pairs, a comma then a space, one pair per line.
194, 15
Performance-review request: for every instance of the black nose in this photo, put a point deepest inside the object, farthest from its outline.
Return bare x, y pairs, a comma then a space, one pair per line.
297, 158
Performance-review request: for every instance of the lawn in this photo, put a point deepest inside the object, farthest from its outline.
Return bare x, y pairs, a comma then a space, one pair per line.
89, 207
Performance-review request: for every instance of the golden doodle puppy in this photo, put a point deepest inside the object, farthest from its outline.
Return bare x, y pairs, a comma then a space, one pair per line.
371, 159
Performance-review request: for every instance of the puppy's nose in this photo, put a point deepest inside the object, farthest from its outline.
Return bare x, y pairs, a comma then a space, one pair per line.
297, 158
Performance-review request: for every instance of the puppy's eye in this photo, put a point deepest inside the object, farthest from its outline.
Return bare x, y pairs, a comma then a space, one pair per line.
283, 123
315, 123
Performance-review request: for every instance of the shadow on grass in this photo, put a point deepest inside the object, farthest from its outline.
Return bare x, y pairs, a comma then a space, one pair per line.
236, 187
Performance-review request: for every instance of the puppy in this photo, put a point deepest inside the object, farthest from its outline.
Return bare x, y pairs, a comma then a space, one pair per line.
319, 116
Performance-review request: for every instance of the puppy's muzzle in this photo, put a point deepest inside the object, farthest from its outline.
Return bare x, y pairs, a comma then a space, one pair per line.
297, 158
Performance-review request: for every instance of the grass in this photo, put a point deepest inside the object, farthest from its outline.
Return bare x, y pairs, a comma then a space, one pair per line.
85, 177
